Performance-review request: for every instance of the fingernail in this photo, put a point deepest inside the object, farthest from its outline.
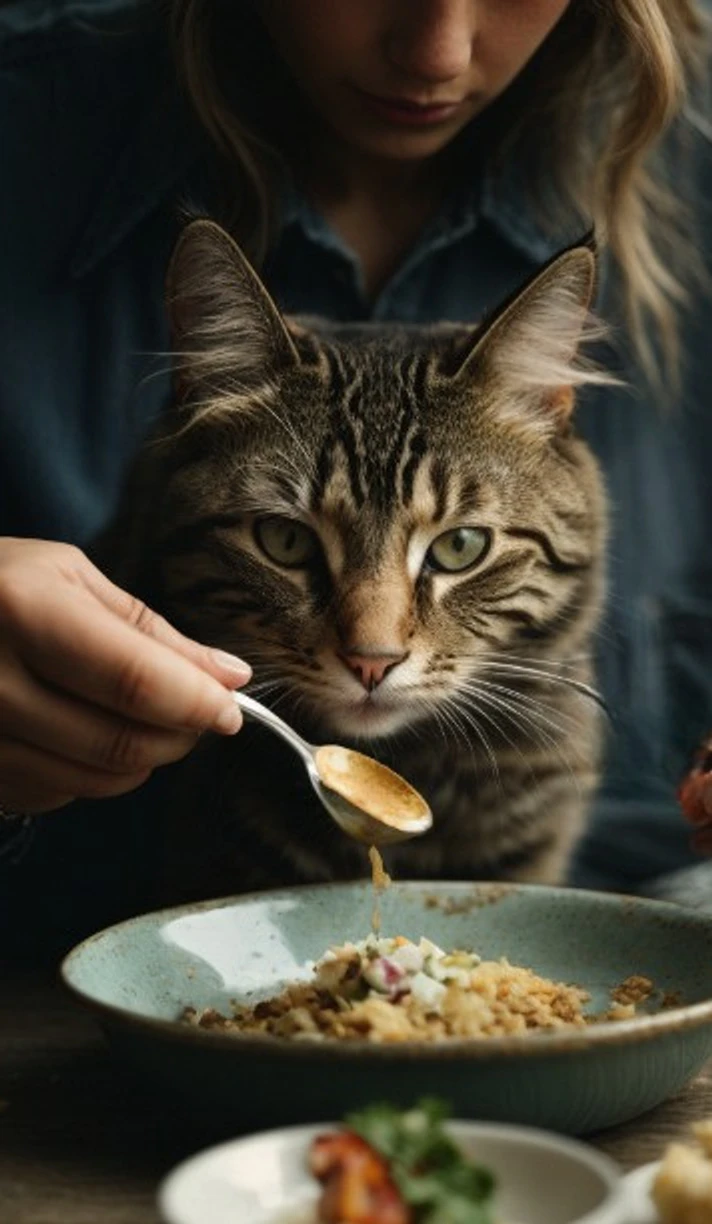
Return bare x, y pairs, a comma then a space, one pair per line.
237, 667
229, 720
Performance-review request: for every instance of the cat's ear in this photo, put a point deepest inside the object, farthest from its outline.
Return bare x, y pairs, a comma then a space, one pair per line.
224, 323
527, 353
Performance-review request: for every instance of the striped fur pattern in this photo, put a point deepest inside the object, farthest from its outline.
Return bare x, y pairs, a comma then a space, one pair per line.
402, 533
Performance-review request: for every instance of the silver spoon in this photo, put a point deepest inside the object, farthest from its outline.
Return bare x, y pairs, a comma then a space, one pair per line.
367, 800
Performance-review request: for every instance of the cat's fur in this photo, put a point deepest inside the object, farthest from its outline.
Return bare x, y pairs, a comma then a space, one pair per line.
377, 440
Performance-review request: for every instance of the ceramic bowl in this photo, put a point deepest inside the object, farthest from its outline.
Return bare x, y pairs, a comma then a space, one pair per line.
263, 1179
139, 975
637, 1191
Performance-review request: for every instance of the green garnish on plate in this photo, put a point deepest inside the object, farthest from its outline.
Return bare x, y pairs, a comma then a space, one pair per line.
433, 1176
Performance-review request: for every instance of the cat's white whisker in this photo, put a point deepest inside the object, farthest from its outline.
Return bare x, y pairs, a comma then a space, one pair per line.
442, 725
532, 712
482, 737
535, 660
469, 701
449, 711
537, 673
521, 719
533, 704
518, 717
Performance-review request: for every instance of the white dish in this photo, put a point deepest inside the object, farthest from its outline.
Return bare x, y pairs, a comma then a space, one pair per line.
639, 1207
262, 1179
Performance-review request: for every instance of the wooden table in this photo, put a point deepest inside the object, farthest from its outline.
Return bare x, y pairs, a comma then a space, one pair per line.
83, 1143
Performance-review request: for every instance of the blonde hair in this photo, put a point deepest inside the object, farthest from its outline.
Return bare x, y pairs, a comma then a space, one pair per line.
603, 89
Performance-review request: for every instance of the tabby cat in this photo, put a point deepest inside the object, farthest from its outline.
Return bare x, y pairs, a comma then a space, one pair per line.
400, 531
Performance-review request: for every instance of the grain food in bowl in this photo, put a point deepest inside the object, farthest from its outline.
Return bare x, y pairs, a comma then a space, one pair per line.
682, 1189
392, 990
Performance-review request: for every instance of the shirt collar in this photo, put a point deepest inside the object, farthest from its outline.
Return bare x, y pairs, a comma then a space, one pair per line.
164, 156
499, 198
506, 204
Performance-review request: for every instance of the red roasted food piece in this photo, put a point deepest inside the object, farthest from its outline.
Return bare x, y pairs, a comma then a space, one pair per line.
357, 1182
693, 785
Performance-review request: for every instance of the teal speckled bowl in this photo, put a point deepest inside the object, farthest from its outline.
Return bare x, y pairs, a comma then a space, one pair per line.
137, 976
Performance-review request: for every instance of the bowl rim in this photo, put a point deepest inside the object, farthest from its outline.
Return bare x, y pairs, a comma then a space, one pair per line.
673, 1019
611, 1174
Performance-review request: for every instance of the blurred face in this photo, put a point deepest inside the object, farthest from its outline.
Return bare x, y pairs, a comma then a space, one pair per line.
398, 79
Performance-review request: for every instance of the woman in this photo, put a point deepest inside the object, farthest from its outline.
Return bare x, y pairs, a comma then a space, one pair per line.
391, 159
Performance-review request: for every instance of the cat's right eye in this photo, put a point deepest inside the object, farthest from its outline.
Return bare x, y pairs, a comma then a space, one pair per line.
458, 549
285, 541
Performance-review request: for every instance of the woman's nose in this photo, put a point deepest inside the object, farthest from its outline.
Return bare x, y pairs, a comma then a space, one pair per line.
431, 40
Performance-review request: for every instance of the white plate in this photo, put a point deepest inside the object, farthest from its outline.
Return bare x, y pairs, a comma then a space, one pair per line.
638, 1203
262, 1179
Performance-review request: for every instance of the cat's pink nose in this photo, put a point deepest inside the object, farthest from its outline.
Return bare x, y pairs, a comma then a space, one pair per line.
371, 669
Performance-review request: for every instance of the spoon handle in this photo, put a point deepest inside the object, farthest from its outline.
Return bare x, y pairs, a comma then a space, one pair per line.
260, 713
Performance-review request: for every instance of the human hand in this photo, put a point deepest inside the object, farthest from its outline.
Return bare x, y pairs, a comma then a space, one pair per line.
96, 690
695, 797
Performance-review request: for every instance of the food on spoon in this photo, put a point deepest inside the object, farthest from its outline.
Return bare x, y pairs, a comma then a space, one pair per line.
682, 1189
392, 989
391, 1166
370, 786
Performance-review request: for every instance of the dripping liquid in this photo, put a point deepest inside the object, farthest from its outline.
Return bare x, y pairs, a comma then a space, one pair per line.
380, 880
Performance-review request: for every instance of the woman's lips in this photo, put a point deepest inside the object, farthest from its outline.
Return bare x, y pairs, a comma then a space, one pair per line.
402, 112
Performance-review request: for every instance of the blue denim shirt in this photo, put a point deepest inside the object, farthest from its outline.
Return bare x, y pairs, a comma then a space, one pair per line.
98, 153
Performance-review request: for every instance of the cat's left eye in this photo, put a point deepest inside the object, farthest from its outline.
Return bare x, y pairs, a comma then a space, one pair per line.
458, 549
285, 541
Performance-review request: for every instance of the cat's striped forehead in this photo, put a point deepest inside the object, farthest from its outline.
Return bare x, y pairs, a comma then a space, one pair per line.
360, 434
375, 441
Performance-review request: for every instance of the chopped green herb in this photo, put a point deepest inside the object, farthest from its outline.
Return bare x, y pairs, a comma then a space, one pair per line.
434, 1177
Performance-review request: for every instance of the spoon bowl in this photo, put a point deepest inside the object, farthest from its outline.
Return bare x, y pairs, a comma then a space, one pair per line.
368, 801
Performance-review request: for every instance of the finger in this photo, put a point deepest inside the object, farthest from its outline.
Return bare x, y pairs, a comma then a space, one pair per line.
226, 668
90, 652
71, 729
35, 781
